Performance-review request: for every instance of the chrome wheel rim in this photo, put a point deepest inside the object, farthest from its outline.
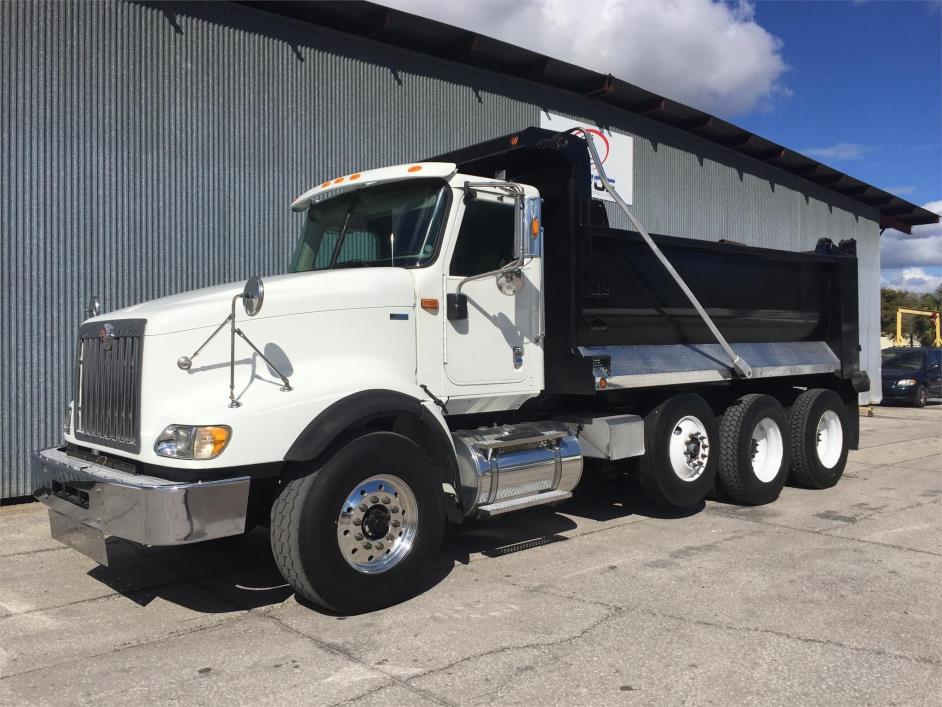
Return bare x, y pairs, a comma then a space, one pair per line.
377, 525
688, 449
767, 450
829, 439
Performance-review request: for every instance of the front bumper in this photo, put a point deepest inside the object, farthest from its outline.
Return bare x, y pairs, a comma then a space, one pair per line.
88, 501
905, 393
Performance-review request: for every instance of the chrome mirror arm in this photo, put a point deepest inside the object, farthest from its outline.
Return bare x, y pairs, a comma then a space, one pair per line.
184, 363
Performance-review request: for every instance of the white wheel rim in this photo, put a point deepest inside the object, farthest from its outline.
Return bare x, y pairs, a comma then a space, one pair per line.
689, 448
767, 450
829, 439
380, 503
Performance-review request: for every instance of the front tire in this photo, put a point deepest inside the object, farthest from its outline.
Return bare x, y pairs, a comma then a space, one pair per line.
360, 532
678, 467
754, 450
819, 443
922, 397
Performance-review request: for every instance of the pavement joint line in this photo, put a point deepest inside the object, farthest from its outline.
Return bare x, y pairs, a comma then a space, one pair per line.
803, 639
371, 691
128, 646
826, 535
901, 463
326, 645
128, 594
34, 552
548, 591
614, 611
890, 444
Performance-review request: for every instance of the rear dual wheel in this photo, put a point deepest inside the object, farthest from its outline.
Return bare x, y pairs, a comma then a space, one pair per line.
754, 450
678, 467
819, 445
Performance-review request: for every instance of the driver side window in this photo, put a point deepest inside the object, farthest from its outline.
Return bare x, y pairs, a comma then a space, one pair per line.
485, 239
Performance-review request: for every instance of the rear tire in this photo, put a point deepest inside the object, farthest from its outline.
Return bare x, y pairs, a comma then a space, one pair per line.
678, 467
315, 525
818, 438
754, 450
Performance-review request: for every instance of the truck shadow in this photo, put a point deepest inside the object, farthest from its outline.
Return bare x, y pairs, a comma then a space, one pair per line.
239, 573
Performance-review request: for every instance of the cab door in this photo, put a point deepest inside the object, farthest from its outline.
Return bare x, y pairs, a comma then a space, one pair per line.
495, 349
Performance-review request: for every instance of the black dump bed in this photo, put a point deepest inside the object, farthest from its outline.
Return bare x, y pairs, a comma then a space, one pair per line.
616, 320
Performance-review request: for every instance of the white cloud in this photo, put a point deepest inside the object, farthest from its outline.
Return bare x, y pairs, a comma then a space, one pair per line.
923, 248
839, 152
912, 279
710, 54
904, 259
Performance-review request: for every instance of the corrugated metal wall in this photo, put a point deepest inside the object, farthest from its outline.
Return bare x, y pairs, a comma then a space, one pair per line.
148, 149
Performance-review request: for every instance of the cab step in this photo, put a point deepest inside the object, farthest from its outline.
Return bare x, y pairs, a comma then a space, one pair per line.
516, 504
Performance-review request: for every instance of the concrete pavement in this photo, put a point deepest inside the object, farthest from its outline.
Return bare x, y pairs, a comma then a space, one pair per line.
823, 597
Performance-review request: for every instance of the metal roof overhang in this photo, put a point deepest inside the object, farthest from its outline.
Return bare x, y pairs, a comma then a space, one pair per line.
444, 41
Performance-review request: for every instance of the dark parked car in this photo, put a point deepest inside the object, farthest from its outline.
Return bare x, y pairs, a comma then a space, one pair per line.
912, 375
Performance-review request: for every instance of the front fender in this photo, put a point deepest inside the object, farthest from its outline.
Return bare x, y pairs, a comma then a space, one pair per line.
426, 426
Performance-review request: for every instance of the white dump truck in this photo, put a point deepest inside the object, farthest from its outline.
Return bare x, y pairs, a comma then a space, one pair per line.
455, 338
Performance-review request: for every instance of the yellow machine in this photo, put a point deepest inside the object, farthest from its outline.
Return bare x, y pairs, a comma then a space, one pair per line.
934, 316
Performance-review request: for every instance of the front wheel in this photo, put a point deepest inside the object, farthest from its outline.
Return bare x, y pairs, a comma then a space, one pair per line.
922, 397
360, 532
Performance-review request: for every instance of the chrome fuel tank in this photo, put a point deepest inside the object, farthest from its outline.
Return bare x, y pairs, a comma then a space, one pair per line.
516, 466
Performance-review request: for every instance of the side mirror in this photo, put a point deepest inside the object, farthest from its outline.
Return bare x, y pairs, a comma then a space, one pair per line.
457, 307
253, 295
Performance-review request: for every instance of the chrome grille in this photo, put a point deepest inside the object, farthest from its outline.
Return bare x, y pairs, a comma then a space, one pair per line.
108, 383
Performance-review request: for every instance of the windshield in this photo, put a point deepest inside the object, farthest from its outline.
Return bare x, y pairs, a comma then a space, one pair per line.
910, 360
392, 225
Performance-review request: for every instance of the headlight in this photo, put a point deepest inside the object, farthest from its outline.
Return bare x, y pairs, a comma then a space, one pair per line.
902, 382
193, 442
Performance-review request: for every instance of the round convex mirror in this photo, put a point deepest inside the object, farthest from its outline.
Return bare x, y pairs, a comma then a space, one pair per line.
510, 282
253, 295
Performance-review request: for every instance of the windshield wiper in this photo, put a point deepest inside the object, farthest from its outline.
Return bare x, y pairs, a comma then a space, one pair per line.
342, 235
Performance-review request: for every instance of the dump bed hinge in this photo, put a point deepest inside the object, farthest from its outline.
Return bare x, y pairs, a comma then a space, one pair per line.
737, 363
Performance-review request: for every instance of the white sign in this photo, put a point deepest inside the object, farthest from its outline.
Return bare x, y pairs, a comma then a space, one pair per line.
616, 152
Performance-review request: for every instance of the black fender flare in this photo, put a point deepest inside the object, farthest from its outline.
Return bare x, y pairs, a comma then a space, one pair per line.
359, 409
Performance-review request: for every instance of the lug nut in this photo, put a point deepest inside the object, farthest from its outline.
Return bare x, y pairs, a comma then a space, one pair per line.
359, 536
395, 524
357, 521
394, 509
374, 499
390, 537
379, 546
367, 545
364, 507
386, 500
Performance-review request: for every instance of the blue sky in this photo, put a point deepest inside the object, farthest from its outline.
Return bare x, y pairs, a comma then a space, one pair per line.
864, 94
863, 85
857, 85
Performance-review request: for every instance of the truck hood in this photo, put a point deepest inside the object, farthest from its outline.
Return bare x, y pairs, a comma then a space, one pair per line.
296, 293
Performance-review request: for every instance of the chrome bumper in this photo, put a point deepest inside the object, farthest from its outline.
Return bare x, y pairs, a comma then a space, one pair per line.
88, 501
